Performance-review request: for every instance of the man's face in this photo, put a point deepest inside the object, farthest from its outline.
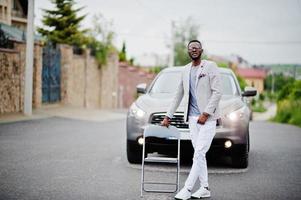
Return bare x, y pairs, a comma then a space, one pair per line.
195, 50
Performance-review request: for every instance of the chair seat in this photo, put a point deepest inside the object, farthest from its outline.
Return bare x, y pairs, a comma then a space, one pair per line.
161, 160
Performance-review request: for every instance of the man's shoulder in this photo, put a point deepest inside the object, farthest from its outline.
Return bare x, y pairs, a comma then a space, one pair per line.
209, 62
187, 65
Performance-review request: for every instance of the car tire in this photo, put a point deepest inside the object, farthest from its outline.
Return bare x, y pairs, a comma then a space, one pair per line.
248, 142
240, 159
134, 152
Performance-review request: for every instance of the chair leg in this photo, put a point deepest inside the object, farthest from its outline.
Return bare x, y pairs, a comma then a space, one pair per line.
177, 184
142, 172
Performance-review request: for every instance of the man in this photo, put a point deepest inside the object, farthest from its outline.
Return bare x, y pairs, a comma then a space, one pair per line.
200, 89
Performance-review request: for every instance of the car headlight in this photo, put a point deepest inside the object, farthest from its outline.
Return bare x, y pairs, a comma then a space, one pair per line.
236, 115
136, 111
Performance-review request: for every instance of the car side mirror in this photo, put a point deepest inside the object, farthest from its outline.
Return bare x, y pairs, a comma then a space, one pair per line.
141, 88
249, 92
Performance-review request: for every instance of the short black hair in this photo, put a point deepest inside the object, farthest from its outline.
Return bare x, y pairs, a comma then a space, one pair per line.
191, 41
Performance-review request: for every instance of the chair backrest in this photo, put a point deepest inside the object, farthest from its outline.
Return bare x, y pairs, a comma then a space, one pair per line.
161, 131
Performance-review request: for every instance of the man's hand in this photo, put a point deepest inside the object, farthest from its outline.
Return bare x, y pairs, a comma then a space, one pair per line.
203, 118
166, 121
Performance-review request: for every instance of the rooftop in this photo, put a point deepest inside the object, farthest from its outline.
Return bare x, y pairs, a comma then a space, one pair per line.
251, 73
14, 33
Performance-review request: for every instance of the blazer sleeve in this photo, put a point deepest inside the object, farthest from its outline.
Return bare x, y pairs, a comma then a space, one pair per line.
215, 86
177, 99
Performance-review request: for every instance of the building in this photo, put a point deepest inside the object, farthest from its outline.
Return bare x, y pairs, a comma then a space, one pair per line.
14, 13
253, 77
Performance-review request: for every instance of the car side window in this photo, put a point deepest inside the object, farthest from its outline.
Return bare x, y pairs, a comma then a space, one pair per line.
229, 86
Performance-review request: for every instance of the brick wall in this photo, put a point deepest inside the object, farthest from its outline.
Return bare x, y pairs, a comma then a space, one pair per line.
129, 77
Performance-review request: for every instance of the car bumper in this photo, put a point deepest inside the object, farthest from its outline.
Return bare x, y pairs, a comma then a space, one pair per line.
236, 136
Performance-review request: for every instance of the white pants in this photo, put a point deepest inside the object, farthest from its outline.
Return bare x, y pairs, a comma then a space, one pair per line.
201, 138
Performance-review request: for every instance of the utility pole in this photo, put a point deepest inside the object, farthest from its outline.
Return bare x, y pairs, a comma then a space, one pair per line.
29, 60
272, 82
172, 45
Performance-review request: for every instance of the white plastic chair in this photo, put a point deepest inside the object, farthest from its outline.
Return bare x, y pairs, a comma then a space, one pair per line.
160, 132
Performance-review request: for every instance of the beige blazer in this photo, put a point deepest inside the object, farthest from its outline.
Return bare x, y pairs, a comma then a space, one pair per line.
208, 90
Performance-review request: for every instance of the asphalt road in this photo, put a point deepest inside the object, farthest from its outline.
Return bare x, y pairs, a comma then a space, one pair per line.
59, 158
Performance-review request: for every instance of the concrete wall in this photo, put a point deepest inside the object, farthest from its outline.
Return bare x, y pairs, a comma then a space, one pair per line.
129, 77
109, 83
84, 83
12, 68
93, 86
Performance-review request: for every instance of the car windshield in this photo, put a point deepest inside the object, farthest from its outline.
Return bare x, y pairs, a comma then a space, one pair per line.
167, 82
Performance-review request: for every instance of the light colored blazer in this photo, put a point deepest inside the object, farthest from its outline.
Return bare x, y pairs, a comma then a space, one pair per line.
208, 90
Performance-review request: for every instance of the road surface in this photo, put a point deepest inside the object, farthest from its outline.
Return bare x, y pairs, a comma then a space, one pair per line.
59, 158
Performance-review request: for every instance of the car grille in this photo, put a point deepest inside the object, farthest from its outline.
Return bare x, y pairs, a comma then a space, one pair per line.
177, 120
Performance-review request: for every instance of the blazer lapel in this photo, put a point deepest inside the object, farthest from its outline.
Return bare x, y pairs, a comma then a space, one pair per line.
202, 69
186, 77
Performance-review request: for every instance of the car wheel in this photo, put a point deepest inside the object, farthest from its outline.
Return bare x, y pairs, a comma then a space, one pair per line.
134, 152
248, 142
240, 159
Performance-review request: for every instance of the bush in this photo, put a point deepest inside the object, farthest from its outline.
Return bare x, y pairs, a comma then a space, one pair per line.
155, 70
296, 91
285, 92
289, 104
288, 111
261, 97
271, 96
258, 107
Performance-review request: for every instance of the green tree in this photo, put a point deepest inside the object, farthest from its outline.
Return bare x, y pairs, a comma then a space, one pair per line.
242, 82
62, 25
132, 60
184, 32
122, 53
101, 38
102, 30
280, 81
296, 91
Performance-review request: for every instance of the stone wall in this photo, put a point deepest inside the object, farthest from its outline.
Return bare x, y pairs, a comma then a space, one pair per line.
11, 77
84, 83
129, 77
12, 68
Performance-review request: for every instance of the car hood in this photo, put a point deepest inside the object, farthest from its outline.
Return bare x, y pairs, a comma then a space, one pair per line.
152, 103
